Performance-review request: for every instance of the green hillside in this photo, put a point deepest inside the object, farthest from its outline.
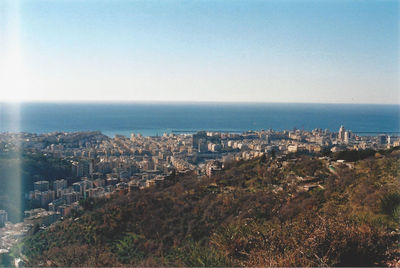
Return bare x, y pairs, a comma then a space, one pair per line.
263, 212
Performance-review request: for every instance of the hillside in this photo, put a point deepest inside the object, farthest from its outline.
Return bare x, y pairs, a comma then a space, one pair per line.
263, 212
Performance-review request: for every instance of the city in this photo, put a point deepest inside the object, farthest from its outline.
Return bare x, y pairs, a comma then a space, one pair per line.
199, 133
101, 166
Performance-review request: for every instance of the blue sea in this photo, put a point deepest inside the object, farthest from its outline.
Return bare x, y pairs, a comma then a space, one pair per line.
153, 119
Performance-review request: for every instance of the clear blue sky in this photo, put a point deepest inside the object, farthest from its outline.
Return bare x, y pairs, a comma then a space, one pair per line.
339, 51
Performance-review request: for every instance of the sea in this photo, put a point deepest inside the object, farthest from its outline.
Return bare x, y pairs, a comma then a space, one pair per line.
156, 118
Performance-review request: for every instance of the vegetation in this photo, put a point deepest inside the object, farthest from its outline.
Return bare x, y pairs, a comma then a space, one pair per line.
254, 213
6, 260
354, 155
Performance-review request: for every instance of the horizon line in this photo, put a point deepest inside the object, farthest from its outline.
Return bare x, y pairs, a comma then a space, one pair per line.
184, 102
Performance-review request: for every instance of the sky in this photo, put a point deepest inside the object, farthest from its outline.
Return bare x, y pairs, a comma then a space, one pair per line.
342, 51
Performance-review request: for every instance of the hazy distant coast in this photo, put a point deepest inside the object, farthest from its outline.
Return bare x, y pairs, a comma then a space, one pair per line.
151, 119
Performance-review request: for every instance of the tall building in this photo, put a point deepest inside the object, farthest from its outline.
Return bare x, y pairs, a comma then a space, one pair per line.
59, 184
43, 198
382, 139
198, 138
202, 146
41, 186
71, 197
341, 133
80, 169
346, 136
79, 187
3, 218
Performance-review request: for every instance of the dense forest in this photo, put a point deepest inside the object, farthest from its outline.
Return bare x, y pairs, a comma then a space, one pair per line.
254, 213
18, 172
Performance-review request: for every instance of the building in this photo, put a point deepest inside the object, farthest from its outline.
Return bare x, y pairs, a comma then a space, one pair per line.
81, 187
58, 186
95, 192
159, 180
42, 199
56, 203
341, 134
201, 135
3, 218
80, 169
292, 148
133, 186
382, 139
71, 197
212, 167
41, 186
346, 137
202, 146
42, 218
33, 212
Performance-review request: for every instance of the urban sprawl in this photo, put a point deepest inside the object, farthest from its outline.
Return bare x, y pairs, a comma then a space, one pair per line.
102, 165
